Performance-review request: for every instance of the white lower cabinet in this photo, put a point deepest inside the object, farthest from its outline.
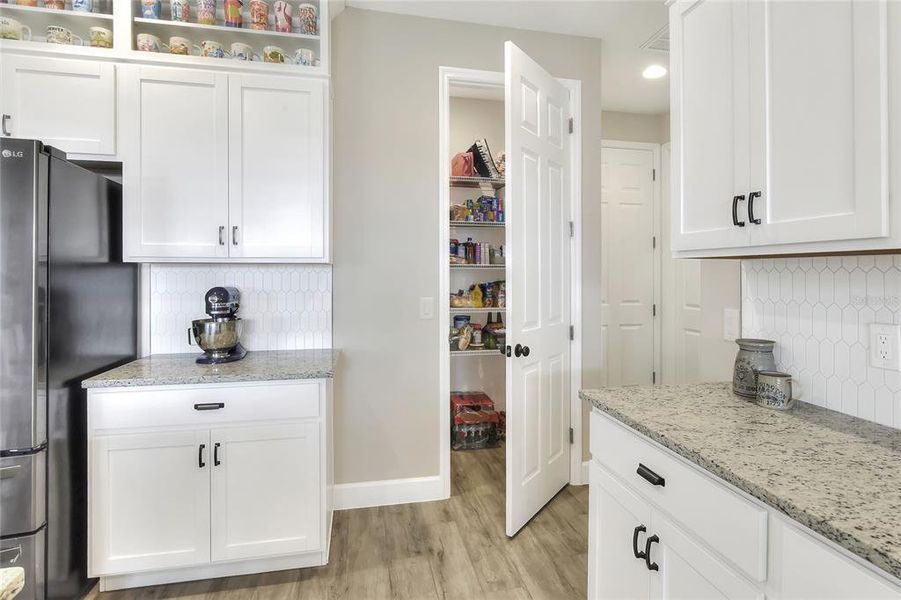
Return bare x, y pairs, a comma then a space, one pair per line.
644, 542
235, 485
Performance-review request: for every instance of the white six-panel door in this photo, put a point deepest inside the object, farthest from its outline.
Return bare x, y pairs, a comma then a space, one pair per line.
537, 111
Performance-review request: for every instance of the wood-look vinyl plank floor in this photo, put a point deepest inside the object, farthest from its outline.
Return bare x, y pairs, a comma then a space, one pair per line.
449, 549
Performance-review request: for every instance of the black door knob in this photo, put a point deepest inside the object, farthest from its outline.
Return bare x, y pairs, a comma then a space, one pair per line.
508, 351
517, 351
525, 350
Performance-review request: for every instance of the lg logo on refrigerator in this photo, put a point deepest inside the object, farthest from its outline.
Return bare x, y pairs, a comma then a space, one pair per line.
12, 154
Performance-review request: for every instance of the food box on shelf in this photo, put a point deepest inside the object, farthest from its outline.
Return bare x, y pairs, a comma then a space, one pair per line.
474, 422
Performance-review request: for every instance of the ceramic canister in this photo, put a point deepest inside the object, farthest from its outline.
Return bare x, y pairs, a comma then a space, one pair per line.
206, 12
307, 19
284, 16
181, 10
753, 356
234, 13
259, 15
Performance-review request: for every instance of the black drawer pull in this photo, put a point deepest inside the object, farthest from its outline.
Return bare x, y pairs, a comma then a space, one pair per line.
638, 553
649, 475
200, 462
735, 201
652, 566
751, 197
209, 406
216, 461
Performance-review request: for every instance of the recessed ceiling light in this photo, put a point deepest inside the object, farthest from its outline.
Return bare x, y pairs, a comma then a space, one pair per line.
654, 72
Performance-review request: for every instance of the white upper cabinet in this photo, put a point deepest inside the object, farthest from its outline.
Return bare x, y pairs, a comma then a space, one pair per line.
784, 105
277, 176
176, 166
68, 104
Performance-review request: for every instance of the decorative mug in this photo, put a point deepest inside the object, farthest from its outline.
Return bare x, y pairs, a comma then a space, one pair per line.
283, 16
242, 51
234, 13
101, 37
304, 56
147, 42
212, 49
307, 19
181, 10
206, 12
61, 35
181, 45
776, 390
10, 29
274, 54
83, 5
55, 4
151, 9
259, 15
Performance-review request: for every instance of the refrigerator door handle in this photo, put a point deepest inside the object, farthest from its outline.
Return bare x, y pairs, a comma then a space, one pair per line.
6, 131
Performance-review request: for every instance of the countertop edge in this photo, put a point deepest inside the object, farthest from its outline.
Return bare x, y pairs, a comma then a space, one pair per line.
87, 384
841, 537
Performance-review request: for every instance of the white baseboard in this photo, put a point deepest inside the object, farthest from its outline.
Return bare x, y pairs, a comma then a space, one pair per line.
585, 464
388, 491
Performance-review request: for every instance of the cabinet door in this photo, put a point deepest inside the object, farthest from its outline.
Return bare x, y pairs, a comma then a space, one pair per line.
149, 501
277, 180
66, 103
267, 495
708, 90
819, 125
615, 516
176, 167
685, 569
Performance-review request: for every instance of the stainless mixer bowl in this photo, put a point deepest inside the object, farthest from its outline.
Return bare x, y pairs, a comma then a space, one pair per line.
216, 338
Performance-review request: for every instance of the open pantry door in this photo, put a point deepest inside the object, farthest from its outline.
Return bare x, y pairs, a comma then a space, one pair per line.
538, 282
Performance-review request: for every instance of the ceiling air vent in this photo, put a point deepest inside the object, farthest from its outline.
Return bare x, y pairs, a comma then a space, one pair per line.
659, 41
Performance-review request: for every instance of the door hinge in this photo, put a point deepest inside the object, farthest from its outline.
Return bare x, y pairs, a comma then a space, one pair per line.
653, 174
572, 124
654, 310
572, 333
653, 241
572, 435
572, 229
653, 376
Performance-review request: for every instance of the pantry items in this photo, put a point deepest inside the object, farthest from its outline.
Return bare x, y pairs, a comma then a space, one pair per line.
477, 336
259, 15
501, 163
753, 356
482, 159
461, 321
474, 421
61, 35
460, 338
33, 3
489, 294
274, 54
309, 22
461, 165
234, 13
181, 45
304, 56
55, 4
10, 29
475, 253
101, 37
212, 49
284, 16
83, 5
206, 12
180, 10
151, 9
242, 51
147, 42
776, 390
484, 209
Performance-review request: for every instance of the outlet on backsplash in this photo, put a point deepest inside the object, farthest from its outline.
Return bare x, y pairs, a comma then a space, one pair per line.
884, 343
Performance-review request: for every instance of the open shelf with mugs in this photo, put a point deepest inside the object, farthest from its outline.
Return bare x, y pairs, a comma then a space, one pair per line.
278, 32
47, 23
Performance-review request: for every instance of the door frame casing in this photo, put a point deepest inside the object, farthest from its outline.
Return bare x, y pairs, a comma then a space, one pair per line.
446, 77
654, 148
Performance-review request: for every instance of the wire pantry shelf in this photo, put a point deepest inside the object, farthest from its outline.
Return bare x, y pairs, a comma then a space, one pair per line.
476, 224
476, 353
476, 182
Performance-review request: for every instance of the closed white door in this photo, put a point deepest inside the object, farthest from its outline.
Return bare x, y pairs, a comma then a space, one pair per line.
266, 491
686, 570
819, 123
277, 180
150, 501
709, 100
69, 104
618, 521
628, 264
175, 167
538, 283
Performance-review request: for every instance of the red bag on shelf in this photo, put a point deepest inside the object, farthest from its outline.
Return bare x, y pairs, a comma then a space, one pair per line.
461, 165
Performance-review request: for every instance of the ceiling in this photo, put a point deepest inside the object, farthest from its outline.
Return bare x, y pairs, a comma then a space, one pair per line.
623, 25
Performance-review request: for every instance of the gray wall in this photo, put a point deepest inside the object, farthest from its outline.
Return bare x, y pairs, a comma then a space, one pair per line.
635, 127
385, 82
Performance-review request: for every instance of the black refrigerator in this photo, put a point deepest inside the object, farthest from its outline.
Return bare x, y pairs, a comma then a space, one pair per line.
68, 310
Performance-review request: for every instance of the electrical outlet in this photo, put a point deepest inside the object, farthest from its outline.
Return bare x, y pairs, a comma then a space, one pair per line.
885, 341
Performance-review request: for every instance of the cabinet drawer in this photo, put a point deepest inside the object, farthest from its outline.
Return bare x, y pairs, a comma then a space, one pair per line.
202, 405
731, 525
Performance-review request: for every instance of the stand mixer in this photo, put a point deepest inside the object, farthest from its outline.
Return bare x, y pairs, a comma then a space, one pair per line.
218, 335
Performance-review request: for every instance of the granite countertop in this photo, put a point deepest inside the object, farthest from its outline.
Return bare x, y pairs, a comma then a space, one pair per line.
175, 369
838, 475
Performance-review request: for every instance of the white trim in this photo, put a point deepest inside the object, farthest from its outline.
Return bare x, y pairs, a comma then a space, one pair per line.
386, 492
658, 251
584, 469
144, 293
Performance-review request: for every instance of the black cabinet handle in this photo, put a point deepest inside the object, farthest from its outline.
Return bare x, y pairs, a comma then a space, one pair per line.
751, 197
216, 461
652, 566
200, 462
638, 553
735, 201
209, 406
649, 475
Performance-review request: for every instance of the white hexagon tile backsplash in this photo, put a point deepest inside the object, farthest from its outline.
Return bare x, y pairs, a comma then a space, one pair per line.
818, 310
284, 307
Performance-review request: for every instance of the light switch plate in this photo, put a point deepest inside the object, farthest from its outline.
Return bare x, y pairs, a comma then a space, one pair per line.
731, 324
426, 307
885, 341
